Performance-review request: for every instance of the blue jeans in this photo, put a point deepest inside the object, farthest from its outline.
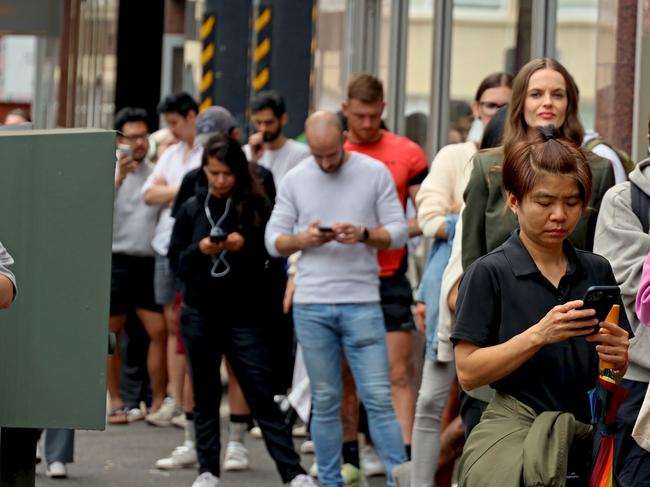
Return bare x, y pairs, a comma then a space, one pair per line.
324, 331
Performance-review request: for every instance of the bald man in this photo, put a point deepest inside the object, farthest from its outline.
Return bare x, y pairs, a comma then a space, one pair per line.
338, 208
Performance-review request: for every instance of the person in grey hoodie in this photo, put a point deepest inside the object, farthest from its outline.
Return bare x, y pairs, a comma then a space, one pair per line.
621, 239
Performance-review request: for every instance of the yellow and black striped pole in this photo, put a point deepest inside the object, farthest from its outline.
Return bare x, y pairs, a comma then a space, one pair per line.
207, 61
262, 52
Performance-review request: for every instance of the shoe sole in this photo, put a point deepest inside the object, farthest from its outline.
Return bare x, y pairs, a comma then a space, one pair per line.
159, 424
374, 473
115, 422
56, 475
176, 467
236, 468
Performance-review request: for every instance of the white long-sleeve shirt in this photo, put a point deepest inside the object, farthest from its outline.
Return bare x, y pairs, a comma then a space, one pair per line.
173, 167
361, 192
443, 187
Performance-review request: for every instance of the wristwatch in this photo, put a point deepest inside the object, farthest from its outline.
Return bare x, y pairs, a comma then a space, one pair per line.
365, 235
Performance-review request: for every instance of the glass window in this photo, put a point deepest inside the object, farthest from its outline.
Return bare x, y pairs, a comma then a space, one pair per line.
483, 42
385, 45
473, 7
576, 48
418, 70
329, 56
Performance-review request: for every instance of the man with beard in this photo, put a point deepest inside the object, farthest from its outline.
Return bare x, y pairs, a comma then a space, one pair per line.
269, 147
338, 208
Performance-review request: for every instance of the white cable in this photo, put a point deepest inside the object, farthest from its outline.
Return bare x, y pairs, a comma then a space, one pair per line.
221, 258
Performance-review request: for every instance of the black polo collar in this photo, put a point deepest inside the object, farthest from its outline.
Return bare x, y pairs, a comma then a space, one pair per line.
522, 264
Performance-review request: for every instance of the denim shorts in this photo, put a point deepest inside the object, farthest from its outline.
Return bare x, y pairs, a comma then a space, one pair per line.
164, 282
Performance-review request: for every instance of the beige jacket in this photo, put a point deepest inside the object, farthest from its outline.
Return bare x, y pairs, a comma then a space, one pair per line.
443, 187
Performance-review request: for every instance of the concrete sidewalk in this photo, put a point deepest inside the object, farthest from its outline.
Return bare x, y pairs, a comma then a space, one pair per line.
124, 456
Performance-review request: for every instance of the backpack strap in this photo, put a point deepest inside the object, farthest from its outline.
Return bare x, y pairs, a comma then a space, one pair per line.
624, 157
589, 146
640, 205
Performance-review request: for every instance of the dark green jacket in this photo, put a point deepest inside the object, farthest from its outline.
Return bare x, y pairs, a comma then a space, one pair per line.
513, 446
487, 222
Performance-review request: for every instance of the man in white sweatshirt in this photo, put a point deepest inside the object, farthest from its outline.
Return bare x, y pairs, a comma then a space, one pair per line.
338, 208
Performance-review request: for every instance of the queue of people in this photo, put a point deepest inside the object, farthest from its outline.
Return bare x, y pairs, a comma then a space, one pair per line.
315, 235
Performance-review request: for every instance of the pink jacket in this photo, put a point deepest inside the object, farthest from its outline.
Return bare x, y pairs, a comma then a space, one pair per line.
643, 295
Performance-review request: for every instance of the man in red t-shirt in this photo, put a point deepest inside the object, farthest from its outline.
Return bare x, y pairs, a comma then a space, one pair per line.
408, 166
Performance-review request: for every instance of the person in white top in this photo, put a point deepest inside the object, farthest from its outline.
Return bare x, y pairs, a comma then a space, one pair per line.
160, 189
269, 147
274, 151
438, 203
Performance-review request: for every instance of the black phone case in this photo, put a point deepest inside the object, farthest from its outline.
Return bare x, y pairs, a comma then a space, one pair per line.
601, 298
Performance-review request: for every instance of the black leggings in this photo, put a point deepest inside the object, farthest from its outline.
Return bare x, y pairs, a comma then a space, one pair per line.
207, 337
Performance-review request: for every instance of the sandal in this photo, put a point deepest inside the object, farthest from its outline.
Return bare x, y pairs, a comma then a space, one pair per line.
117, 416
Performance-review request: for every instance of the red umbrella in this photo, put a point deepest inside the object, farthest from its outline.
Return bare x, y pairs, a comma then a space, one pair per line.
605, 402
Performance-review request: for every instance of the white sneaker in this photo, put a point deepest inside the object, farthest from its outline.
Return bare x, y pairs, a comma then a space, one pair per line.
236, 458
256, 432
302, 480
183, 456
370, 463
307, 447
163, 417
313, 470
206, 479
180, 421
56, 470
134, 414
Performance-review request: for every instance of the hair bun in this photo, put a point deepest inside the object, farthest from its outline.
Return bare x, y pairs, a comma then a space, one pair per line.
549, 132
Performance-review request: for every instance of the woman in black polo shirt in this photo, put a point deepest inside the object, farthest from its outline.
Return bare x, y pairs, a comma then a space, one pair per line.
518, 327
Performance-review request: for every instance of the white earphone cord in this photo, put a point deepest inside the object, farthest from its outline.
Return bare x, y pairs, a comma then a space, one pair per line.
216, 260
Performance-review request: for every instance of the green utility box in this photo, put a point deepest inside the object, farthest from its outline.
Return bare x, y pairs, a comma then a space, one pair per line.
56, 210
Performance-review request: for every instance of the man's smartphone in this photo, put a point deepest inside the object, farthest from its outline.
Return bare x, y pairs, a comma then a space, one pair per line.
325, 229
601, 299
217, 235
218, 238
125, 149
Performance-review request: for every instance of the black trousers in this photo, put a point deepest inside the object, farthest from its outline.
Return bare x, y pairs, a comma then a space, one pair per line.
134, 376
631, 462
208, 336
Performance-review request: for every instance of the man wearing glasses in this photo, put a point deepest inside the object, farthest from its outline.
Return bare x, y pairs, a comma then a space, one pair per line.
160, 190
132, 280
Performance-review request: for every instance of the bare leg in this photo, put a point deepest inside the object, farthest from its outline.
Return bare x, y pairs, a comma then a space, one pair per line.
154, 324
116, 325
188, 393
175, 362
401, 376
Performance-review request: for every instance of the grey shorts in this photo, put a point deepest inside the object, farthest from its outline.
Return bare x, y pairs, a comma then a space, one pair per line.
164, 282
